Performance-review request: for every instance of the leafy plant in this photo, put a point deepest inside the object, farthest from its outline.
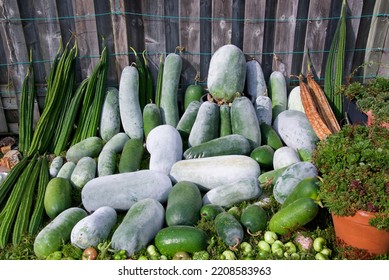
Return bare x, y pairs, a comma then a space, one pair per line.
373, 96
354, 172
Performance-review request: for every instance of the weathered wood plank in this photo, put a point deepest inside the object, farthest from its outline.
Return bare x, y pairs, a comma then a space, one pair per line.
190, 40
376, 41
317, 27
205, 37
221, 23
238, 15
171, 25
120, 38
254, 26
87, 33
268, 38
284, 35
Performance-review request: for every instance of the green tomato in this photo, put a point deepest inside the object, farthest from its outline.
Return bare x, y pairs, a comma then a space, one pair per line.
263, 255
326, 252
264, 246
270, 237
277, 248
142, 258
320, 256
181, 255
228, 255
200, 255
319, 244
246, 248
295, 256
290, 247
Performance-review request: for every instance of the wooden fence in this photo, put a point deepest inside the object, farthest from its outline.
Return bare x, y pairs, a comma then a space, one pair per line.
263, 29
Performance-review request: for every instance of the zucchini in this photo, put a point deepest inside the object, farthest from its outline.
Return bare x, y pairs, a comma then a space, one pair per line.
84, 171
121, 191
225, 120
129, 106
227, 73
270, 177
254, 218
233, 144
58, 196
307, 187
244, 121
208, 173
278, 93
229, 193
187, 119
270, 137
131, 156
89, 147
110, 115
151, 118
139, 226
209, 212
57, 232
229, 229
165, 146
169, 93
183, 204
206, 125
295, 215
173, 239
94, 228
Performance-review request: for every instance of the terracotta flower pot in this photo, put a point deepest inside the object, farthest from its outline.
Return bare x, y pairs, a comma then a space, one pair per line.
356, 232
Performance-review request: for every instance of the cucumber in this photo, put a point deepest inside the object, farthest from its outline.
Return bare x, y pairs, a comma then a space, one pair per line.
227, 73
307, 187
169, 93
139, 226
110, 115
55, 166
183, 204
208, 173
94, 228
193, 92
66, 170
89, 147
116, 143
225, 120
254, 218
84, 171
106, 163
57, 232
229, 193
187, 119
229, 229
206, 125
264, 156
129, 104
278, 93
151, 117
285, 156
269, 178
209, 212
58, 196
190, 239
165, 146
263, 109
270, 137
121, 191
233, 144
255, 80
131, 156
244, 121
292, 175
295, 215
